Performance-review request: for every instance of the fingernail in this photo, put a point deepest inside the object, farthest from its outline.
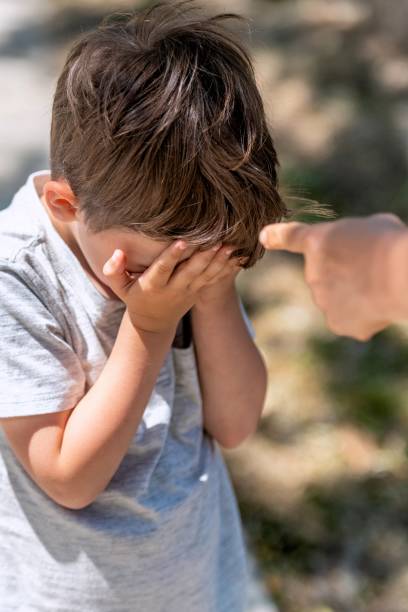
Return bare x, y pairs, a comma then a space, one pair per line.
181, 245
116, 255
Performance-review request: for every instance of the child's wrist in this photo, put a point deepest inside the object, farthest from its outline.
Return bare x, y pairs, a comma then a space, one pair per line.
149, 328
216, 301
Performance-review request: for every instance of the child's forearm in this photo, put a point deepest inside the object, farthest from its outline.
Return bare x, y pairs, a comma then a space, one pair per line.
100, 428
231, 371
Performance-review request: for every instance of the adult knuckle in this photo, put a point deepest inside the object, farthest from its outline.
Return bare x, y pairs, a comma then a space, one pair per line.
313, 244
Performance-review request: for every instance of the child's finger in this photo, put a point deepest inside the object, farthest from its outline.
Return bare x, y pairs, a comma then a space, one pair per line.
159, 273
115, 271
218, 267
227, 273
193, 267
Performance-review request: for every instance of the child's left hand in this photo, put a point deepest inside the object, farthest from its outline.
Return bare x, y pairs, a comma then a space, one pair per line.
223, 281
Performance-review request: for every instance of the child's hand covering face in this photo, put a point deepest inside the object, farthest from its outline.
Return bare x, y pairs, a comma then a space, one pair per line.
217, 289
158, 298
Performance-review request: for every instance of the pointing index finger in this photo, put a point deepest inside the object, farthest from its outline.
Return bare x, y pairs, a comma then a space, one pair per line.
285, 236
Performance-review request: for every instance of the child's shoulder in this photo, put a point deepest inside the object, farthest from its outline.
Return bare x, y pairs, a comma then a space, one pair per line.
23, 258
18, 230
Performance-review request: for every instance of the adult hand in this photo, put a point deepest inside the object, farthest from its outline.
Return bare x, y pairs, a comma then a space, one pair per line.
355, 268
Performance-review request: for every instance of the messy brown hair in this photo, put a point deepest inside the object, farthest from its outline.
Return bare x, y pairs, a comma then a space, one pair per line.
158, 126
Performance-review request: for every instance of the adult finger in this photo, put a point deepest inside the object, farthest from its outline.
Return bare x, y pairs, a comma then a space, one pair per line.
160, 271
285, 236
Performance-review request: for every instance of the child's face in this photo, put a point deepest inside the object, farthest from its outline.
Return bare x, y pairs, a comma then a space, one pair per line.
94, 249
140, 250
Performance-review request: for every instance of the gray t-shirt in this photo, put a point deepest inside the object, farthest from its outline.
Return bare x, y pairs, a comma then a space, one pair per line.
165, 535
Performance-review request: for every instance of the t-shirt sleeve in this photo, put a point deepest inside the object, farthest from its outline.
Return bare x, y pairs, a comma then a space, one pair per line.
247, 320
39, 370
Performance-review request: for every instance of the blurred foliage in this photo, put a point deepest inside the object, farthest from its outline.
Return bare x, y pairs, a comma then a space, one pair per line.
360, 539
367, 380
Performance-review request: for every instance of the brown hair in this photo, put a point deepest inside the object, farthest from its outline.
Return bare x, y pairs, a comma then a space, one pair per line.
158, 126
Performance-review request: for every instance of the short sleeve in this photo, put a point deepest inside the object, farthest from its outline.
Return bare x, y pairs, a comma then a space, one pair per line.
39, 371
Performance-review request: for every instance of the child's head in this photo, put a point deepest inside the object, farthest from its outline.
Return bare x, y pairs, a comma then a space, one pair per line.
158, 127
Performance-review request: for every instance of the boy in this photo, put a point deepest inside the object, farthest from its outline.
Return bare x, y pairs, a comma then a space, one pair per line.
114, 494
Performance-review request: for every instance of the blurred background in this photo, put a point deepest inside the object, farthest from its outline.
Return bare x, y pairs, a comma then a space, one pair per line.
323, 485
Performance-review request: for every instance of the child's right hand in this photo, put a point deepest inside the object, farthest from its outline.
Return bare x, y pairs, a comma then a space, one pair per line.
157, 299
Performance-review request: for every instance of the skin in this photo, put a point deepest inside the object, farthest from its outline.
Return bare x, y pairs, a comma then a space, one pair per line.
355, 269
73, 454
136, 251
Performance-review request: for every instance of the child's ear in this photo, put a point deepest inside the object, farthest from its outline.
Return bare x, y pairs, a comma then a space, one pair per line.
61, 201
